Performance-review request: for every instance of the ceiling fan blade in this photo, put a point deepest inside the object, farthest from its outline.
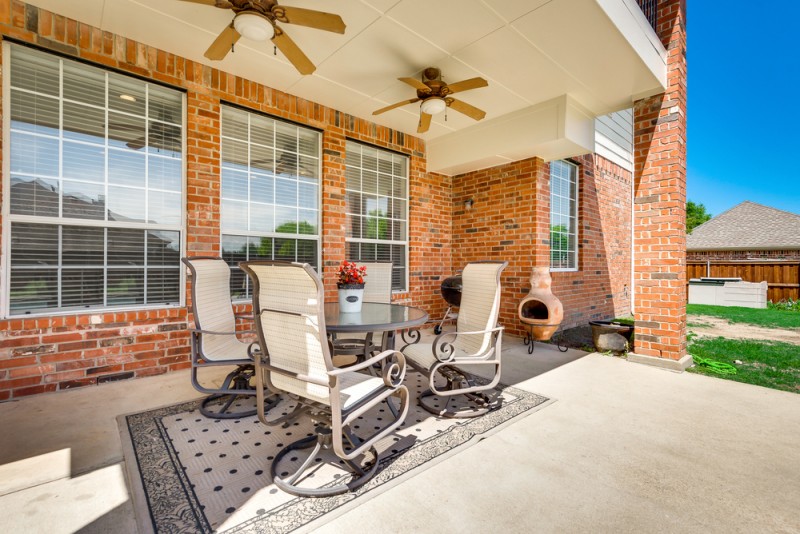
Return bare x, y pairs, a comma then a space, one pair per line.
467, 109
466, 85
424, 122
129, 127
223, 44
136, 144
416, 84
293, 52
223, 4
313, 19
397, 105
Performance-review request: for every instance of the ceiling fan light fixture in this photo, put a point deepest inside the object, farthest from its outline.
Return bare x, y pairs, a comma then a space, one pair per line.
253, 26
433, 105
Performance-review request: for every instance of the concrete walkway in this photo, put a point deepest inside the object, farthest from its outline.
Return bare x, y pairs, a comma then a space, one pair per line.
626, 448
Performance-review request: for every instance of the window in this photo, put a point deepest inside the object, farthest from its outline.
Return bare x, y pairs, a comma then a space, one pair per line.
563, 216
270, 192
95, 187
377, 209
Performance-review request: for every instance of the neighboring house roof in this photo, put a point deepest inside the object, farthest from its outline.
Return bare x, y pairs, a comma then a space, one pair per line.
747, 226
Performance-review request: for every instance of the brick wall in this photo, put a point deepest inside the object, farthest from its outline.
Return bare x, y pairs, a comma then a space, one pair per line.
732, 255
659, 230
54, 353
509, 220
600, 289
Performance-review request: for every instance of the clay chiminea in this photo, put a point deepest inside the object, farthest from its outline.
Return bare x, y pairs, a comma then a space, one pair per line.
540, 310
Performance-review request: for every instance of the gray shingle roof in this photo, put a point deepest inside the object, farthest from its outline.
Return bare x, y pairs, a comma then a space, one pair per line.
747, 226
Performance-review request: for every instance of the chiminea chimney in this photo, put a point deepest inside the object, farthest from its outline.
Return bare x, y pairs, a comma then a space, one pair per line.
540, 310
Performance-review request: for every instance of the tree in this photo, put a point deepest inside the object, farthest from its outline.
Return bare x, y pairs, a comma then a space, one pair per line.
696, 215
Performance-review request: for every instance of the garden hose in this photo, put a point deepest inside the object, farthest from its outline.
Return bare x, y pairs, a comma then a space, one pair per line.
715, 366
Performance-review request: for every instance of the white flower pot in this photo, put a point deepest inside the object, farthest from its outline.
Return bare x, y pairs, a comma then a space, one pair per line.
350, 299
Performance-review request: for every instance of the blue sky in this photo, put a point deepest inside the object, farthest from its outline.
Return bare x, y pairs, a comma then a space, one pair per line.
743, 109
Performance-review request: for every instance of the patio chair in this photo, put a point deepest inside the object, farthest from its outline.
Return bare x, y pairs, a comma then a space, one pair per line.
290, 323
476, 342
214, 339
377, 288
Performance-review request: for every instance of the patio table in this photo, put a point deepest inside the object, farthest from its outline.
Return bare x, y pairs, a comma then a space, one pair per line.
374, 317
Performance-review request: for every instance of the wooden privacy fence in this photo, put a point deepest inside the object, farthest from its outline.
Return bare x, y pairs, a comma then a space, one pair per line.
782, 277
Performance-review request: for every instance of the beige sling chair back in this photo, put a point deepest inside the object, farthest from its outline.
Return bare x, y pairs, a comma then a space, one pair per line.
377, 288
476, 342
296, 362
214, 339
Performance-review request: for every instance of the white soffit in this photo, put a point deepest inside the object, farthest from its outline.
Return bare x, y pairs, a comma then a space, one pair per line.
551, 130
601, 54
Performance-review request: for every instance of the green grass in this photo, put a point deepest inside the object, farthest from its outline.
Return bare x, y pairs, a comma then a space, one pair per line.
764, 363
767, 317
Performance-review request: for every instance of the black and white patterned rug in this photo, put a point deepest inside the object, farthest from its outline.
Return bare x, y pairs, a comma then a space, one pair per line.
193, 474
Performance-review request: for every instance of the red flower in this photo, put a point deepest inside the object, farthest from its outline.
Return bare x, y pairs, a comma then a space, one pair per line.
350, 273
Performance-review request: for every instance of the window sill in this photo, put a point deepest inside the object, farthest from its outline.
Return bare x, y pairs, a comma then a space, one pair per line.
94, 311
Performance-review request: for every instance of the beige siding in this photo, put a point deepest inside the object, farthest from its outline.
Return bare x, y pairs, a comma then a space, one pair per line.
614, 137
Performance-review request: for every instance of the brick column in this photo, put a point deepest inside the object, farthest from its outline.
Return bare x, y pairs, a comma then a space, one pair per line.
202, 175
541, 218
659, 230
334, 218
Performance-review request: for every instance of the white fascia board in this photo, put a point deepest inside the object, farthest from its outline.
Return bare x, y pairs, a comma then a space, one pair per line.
558, 128
628, 18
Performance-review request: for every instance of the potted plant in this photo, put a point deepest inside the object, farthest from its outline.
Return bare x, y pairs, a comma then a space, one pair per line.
615, 335
351, 286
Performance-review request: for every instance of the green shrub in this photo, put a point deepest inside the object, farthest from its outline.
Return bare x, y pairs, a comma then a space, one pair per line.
785, 305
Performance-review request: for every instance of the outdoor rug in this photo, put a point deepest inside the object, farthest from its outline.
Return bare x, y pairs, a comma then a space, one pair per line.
190, 473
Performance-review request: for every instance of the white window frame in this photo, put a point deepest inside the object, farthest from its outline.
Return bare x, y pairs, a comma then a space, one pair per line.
574, 214
390, 242
274, 235
8, 218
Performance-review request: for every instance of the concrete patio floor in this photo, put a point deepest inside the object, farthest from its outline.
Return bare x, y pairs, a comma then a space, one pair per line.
625, 448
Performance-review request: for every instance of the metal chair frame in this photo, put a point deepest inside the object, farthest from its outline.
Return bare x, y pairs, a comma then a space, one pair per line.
332, 420
448, 355
237, 383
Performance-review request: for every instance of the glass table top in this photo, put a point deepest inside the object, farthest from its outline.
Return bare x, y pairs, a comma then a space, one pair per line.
373, 317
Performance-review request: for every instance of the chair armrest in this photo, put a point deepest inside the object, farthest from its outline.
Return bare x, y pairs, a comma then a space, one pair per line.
444, 351
392, 374
244, 316
215, 333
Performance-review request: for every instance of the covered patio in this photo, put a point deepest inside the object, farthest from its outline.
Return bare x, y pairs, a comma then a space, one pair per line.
126, 147
605, 456
588, 93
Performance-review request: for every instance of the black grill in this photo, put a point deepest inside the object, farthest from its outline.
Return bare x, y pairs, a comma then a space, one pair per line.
451, 290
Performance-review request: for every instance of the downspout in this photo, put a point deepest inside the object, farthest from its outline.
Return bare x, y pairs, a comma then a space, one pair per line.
633, 221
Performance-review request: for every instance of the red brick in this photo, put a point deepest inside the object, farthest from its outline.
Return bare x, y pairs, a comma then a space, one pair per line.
438, 242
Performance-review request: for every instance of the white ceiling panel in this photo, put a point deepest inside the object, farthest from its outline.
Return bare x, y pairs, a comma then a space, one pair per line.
88, 11
381, 5
372, 60
601, 54
511, 10
520, 65
206, 17
430, 20
319, 45
575, 35
310, 87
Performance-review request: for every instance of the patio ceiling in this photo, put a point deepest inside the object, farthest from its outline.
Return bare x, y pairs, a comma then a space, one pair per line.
552, 65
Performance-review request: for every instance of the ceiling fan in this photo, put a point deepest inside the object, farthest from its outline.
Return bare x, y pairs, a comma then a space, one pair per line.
258, 20
159, 135
435, 96
286, 163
